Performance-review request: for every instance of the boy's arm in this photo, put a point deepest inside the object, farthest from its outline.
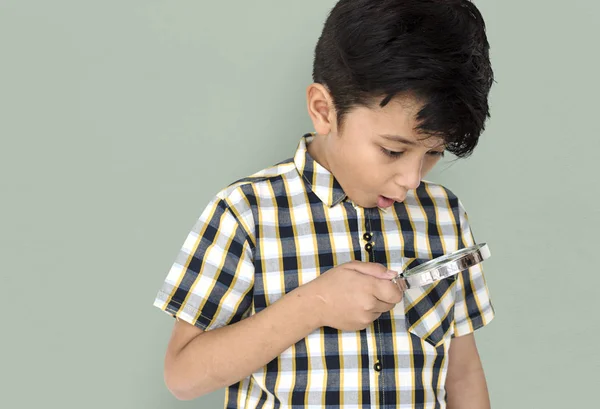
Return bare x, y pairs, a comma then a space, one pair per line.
198, 362
349, 297
466, 387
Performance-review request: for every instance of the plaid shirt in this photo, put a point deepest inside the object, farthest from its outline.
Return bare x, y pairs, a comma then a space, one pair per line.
267, 234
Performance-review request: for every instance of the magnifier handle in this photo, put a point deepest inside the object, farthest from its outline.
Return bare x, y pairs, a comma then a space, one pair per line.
401, 282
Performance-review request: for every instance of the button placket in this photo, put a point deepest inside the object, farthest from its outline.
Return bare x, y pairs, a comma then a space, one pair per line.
368, 239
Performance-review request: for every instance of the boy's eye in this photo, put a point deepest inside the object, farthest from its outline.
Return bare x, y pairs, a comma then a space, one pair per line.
391, 154
394, 154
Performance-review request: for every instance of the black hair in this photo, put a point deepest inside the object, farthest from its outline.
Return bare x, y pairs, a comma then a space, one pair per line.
434, 50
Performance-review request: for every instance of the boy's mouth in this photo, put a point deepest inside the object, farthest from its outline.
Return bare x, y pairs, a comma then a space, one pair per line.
384, 202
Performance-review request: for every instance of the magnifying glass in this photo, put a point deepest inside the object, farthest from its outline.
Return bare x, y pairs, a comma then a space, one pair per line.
443, 267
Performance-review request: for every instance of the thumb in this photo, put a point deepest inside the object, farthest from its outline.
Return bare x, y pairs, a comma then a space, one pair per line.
374, 270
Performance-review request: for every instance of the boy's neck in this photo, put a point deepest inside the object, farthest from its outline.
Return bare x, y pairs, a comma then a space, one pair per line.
316, 150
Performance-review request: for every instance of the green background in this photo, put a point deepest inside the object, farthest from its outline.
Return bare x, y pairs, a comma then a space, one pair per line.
119, 120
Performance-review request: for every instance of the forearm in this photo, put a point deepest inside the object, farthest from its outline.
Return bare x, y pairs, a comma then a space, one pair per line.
468, 391
221, 357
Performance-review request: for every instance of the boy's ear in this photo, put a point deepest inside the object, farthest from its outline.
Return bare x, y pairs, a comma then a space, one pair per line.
321, 109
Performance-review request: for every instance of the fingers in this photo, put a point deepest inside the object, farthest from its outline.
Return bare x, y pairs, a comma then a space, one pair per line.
388, 292
388, 288
382, 306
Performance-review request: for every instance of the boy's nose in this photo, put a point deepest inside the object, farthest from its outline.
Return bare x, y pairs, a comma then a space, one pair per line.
410, 178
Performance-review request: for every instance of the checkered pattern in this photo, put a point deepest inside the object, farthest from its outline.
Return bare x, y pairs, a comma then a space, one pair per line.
267, 234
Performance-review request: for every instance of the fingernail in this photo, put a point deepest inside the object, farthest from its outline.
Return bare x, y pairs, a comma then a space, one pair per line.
392, 273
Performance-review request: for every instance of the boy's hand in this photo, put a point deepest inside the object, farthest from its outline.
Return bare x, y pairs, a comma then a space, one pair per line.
351, 296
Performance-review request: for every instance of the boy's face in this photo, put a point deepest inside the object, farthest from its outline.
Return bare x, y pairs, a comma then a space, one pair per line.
377, 157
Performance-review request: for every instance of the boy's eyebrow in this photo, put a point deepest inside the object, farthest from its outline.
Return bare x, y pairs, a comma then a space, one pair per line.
398, 138
402, 139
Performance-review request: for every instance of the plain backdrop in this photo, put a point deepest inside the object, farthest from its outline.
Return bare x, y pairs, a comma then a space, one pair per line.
119, 120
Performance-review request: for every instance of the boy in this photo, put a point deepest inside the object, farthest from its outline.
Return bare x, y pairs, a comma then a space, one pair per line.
282, 290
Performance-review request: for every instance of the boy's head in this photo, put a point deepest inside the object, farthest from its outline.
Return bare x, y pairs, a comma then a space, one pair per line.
418, 69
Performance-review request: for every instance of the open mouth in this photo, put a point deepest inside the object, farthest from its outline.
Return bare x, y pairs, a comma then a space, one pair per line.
385, 202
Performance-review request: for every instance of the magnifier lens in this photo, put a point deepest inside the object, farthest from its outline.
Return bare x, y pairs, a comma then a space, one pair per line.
445, 266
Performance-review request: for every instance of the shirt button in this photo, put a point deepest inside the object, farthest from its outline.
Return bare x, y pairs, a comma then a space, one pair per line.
367, 236
377, 366
369, 247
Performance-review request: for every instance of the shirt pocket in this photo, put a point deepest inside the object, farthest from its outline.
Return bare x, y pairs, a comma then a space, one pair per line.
429, 310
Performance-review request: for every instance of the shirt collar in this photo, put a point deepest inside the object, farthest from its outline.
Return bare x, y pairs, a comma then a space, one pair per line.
318, 179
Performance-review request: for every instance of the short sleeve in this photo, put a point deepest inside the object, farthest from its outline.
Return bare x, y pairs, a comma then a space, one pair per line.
473, 307
210, 282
